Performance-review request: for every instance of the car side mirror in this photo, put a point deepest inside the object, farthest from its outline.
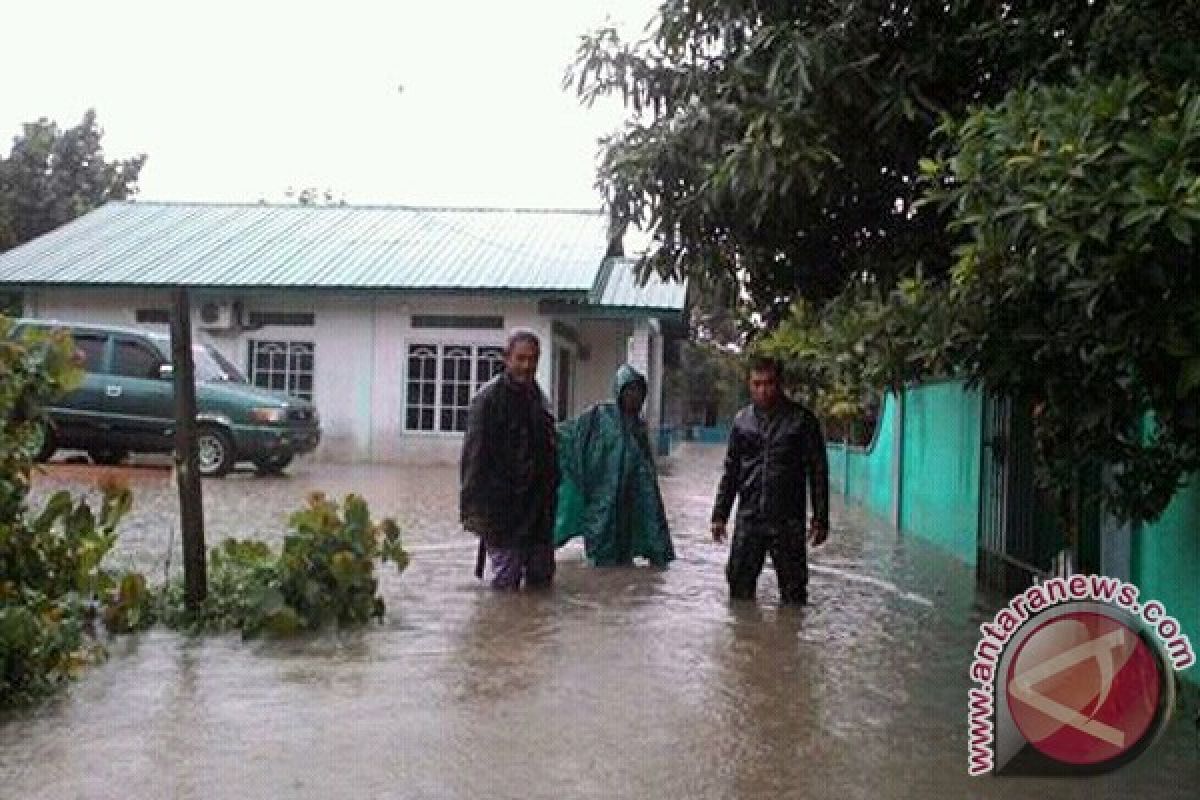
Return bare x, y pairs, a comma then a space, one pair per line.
166, 372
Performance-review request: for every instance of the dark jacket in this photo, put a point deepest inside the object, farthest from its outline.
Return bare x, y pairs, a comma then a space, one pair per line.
509, 467
773, 461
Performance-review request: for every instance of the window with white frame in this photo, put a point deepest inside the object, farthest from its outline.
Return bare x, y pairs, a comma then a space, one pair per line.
442, 379
285, 366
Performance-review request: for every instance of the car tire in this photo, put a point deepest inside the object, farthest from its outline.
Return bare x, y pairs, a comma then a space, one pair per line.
272, 465
107, 457
48, 445
215, 455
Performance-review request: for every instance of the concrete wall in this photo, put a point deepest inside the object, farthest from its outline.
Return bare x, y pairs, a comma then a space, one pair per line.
921, 471
1166, 564
645, 354
939, 466
655, 376
606, 342
361, 345
941, 460
393, 335
868, 470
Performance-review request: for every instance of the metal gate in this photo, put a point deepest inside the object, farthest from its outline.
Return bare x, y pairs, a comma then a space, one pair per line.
1017, 537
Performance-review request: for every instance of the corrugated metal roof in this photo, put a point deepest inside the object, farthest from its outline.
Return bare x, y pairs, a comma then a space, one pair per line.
617, 287
215, 245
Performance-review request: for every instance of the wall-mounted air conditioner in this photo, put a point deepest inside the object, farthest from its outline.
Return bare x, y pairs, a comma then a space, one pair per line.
218, 315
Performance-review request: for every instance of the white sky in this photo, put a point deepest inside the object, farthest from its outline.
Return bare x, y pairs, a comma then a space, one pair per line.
240, 100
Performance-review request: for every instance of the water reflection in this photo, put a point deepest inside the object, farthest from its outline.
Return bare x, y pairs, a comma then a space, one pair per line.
618, 683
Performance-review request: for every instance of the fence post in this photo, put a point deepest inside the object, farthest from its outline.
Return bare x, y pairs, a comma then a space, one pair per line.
898, 460
845, 464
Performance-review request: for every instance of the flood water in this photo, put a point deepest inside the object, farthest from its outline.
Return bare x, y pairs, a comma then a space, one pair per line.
623, 683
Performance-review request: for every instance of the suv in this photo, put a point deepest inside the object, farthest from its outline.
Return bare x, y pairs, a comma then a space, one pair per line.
126, 403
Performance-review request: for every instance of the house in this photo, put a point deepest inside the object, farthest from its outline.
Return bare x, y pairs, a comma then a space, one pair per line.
388, 318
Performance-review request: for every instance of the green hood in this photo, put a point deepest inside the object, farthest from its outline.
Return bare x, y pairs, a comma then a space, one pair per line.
625, 376
609, 489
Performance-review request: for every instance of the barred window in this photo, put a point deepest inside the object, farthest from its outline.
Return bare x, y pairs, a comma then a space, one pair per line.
442, 379
421, 400
489, 362
283, 366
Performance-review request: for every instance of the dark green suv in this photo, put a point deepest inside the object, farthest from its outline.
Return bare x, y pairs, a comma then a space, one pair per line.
126, 404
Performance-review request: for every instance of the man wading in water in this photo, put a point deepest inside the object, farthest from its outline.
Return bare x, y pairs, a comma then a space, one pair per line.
510, 471
776, 449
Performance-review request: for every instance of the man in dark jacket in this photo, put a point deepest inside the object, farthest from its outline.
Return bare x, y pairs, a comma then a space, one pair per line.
510, 471
776, 451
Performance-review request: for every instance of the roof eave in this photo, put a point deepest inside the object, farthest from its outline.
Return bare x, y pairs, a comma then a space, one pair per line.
221, 287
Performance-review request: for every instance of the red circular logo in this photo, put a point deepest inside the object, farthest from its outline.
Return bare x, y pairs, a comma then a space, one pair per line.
1084, 688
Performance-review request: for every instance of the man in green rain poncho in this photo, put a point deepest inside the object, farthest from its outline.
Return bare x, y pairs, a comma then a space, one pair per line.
609, 491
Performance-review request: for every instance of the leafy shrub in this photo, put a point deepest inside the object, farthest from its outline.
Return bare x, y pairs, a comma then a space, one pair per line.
52, 583
324, 574
53, 586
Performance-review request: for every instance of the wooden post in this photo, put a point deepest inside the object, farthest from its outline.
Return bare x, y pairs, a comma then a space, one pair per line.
191, 502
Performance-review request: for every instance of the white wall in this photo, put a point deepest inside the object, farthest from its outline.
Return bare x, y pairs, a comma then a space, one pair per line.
393, 334
361, 345
341, 379
605, 341
654, 404
111, 307
645, 354
559, 346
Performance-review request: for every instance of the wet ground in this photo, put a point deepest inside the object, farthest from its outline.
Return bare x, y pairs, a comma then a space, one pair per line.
626, 683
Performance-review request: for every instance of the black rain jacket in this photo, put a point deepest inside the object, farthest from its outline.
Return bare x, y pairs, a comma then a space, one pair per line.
509, 469
774, 460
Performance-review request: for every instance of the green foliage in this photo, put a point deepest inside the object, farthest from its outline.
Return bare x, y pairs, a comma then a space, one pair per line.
708, 382
776, 146
841, 357
53, 585
130, 604
52, 582
325, 574
53, 176
1047, 251
1074, 288
1075, 283
41, 647
823, 363
33, 370
313, 196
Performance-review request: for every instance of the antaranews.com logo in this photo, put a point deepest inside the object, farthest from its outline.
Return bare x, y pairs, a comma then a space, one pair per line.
1074, 678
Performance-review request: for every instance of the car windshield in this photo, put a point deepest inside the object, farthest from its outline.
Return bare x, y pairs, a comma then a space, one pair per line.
212, 367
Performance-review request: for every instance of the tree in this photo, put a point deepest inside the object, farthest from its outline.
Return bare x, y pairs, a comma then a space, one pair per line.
313, 196
774, 146
1075, 284
708, 383
1073, 212
52, 176
1046, 251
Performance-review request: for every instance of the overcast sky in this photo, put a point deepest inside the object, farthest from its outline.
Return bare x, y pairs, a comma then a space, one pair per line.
457, 102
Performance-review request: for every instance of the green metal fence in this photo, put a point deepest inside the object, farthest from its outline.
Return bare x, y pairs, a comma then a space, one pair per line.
924, 472
869, 470
940, 468
1166, 563
937, 482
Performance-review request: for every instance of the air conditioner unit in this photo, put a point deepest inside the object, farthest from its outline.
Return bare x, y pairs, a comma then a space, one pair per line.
217, 315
